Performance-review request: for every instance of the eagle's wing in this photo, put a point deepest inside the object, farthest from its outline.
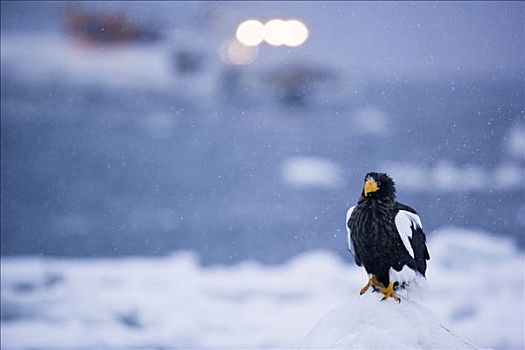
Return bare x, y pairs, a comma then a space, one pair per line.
410, 229
349, 235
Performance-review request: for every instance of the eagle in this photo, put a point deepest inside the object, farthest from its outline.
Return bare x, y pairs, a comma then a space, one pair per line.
386, 238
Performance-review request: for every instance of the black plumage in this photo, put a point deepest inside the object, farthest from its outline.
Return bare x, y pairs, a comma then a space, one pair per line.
385, 234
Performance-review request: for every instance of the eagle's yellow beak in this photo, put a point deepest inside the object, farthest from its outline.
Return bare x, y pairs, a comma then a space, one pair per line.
370, 186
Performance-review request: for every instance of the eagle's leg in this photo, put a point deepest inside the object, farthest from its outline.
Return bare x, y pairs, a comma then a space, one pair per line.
372, 282
388, 292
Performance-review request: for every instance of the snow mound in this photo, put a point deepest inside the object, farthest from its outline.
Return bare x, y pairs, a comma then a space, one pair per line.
364, 322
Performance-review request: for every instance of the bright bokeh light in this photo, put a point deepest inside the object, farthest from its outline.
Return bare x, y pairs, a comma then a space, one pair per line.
234, 52
275, 32
250, 33
296, 33
290, 33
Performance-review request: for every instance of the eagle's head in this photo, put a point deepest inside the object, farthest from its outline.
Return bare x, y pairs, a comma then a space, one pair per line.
379, 185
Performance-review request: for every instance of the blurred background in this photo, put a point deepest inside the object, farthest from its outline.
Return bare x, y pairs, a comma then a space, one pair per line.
214, 148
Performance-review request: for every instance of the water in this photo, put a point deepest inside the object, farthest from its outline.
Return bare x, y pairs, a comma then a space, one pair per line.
91, 170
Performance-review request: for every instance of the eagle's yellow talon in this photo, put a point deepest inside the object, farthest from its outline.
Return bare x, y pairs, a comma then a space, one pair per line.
388, 292
372, 282
364, 289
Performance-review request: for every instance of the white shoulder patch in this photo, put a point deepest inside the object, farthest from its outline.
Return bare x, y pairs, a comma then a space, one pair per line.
404, 222
350, 245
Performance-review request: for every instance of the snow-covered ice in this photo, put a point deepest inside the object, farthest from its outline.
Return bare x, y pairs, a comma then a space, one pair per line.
515, 142
311, 172
445, 176
51, 57
476, 290
372, 120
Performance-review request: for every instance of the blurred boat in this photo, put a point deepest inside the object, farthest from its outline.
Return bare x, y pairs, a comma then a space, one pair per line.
296, 84
187, 61
113, 28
